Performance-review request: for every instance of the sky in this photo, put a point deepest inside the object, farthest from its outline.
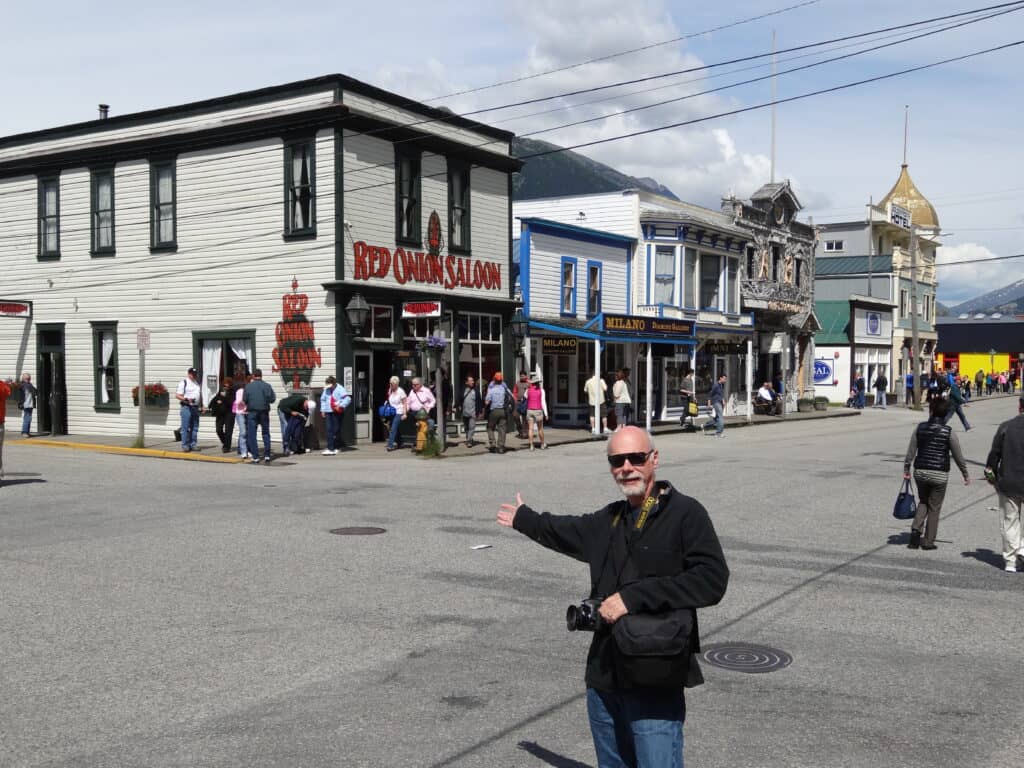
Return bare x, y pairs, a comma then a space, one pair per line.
840, 149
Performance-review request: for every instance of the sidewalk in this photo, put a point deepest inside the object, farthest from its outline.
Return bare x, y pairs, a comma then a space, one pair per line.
210, 450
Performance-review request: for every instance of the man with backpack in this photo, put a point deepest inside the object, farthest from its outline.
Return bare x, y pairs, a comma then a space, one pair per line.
294, 409
498, 403
333, 402
470, 407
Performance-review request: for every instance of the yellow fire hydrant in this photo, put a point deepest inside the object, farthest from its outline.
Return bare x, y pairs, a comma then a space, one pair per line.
421, 434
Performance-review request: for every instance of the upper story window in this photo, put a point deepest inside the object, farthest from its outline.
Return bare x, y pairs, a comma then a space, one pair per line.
798, 265
776, 263
163, 204
407, 195
690, 278
593, 288
904, 311
732, 298
568, 304
751, 263
102, 212
49, 218
710, 280
458, 206
300, 188
833, 246
664, 274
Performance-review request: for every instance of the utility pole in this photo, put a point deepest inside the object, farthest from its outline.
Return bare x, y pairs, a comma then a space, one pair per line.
915, 352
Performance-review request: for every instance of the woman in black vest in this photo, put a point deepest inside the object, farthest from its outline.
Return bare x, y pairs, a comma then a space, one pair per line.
931, 445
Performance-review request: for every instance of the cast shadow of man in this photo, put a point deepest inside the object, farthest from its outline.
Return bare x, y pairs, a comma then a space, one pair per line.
551, 758
986, 556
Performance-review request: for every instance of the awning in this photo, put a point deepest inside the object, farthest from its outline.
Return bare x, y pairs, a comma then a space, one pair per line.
594, 330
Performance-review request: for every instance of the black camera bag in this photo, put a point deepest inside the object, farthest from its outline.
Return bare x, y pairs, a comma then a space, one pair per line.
655, 649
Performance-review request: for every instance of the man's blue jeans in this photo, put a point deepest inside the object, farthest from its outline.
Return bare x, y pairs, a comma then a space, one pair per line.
254, 419
719, 417
956, 408
26, 420
189, 426
637, 729
333, 425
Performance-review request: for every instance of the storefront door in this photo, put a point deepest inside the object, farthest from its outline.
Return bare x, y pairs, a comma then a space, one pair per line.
361, 396
52, 397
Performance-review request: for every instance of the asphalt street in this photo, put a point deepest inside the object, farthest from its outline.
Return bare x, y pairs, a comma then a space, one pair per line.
164, 613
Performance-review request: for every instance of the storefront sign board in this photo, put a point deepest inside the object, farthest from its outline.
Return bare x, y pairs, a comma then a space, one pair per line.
724, 348
559, 345
421, 309
378, 263
647, 326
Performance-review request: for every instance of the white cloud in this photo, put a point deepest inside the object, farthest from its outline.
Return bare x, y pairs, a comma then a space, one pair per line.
966, 279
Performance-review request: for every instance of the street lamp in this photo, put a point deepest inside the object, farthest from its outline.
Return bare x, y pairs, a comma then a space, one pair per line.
517, 326
357, 310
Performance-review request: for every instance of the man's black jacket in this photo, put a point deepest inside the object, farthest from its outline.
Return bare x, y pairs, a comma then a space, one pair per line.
673, 561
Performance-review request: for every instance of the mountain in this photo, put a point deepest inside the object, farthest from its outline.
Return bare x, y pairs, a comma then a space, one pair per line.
569, 173
1009, 300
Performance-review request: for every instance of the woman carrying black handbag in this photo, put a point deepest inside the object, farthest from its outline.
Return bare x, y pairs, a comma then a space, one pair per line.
931, 445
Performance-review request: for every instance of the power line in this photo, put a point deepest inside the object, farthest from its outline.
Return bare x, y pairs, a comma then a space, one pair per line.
787, 100
609, 56
242, 132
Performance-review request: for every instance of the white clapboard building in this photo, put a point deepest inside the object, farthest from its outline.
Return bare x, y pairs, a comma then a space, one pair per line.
309, 229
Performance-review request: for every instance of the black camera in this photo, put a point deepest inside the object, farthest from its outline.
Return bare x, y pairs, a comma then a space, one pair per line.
583, 617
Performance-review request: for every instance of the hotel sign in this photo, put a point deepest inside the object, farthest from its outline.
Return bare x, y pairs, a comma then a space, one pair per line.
648, 326
899, 216
15, 308
559, 345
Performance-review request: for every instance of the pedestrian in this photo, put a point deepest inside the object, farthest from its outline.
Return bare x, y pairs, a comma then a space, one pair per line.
1004, 468
861, 386
910, 389
224, 419
1002, 383
241, 420
655, 568
333, 402
519, 391
717, 402
881, 386
27, 402
623, 399
294, 410
5, 392
956, 405
258, 397
189, 395
396, 399
931, 445
470, 407
498, 402
420, 402
597, 391
979, 382
536, 410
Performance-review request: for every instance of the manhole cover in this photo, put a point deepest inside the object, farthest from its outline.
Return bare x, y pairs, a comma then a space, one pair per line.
746, 657
357, 530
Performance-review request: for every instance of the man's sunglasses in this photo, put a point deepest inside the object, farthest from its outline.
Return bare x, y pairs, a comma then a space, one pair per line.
618, 460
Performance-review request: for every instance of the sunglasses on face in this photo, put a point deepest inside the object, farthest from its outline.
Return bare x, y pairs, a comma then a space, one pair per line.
618, 460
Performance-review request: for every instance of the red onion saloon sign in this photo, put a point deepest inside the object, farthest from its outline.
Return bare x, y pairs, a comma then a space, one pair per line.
449, 272
295, 353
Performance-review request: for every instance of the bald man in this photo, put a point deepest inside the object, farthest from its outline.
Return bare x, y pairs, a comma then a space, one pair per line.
654, 558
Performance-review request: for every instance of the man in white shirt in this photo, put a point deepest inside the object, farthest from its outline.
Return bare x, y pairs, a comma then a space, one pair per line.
189, 395
597, 389
767, 396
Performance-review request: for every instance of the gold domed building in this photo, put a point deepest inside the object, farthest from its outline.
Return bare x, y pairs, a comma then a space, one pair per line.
870, 258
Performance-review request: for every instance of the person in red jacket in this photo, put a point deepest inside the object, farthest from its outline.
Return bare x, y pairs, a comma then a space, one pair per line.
5, 392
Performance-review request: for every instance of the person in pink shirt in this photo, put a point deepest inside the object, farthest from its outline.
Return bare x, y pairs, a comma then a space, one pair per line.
536, 410
239, 408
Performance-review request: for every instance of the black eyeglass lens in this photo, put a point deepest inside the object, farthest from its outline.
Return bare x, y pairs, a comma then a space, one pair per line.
619, 459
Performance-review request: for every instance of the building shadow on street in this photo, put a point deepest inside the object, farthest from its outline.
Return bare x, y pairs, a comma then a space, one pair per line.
549, 757
986, 556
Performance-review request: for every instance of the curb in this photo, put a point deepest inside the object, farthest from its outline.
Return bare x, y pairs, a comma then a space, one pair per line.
125, 451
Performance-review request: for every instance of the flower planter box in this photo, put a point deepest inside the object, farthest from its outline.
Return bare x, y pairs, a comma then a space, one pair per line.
156, 401
821, 403
803, 405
